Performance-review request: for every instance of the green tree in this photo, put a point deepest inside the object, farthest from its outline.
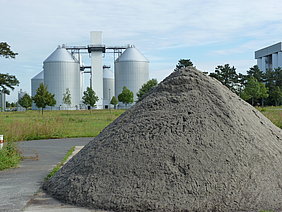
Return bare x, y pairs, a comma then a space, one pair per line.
7, 81
242, 81
269, 78
254, 90
275, 95
52, 101
43, 98
227, 76
25, 101
5, 51
146, 88
126, 96
89, 97
183, 63
114, 101
8, 104
273, 79
67, 97
263, 92
256, 73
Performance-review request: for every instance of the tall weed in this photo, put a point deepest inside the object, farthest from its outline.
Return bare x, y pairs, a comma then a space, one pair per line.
9, 156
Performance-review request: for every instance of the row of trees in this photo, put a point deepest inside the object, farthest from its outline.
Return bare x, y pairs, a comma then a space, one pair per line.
44, 98
256, 87
41, 99
126, 96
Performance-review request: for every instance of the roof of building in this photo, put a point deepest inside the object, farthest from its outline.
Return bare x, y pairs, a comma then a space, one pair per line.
107, 73
60, 55
39, 76
268, 50
131, 54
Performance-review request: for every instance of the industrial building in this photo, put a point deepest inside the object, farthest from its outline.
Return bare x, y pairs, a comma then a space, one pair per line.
21, 93
64, 69
131, 70
35, 83
269, 57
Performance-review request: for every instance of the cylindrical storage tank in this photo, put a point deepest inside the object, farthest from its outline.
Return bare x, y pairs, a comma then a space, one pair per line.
108, 87
35, 83
21, 93
61, 72
131, 70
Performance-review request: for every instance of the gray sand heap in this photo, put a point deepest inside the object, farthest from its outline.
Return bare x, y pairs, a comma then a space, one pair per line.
189, 145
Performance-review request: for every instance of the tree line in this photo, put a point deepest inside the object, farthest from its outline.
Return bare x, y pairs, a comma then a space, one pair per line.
126, 96
256, 87
44, 98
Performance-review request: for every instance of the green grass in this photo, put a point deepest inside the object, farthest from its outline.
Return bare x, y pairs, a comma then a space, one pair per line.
31, 125
274, 114
59, 165
9, 156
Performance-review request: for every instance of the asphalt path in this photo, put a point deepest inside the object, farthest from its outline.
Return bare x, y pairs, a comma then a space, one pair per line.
18, 185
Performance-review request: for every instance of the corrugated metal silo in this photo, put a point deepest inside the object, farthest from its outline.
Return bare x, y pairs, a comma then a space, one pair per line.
61, 72
108, 87
21, 93
131, 70
35, 82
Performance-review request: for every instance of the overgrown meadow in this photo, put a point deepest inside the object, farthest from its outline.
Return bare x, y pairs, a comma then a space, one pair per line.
274, 114
31, 125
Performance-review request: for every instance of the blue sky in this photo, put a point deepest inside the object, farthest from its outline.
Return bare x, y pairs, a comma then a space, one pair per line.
209, 32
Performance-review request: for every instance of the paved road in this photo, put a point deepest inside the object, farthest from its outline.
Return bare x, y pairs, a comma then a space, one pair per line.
17, 186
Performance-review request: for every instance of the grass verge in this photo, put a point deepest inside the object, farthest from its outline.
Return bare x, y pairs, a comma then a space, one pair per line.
59, 165
31, 125
9, 156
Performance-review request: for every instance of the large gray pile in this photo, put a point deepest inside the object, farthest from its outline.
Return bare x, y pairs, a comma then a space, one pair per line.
190, 145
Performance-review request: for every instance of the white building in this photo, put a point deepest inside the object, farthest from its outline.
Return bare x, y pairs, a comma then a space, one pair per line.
269, 57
